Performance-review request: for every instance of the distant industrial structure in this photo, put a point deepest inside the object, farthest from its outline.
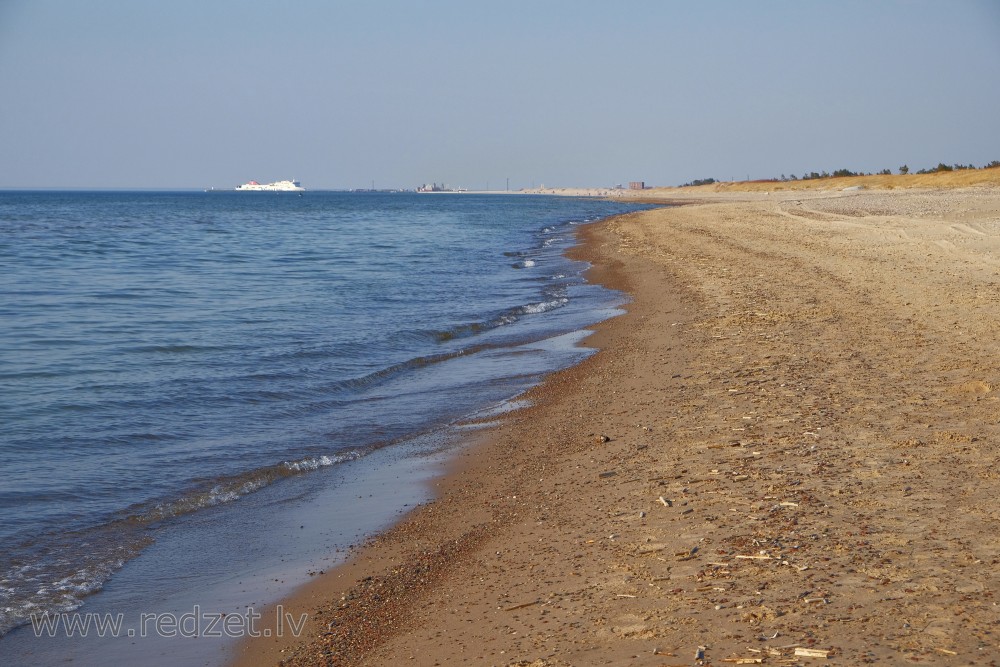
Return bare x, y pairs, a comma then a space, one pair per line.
434, 187
637, 185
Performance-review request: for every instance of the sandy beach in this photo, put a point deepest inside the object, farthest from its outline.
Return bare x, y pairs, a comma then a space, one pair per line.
787, 451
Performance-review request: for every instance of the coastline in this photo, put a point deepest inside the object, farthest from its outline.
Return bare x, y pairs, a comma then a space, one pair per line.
300, 412
783, 451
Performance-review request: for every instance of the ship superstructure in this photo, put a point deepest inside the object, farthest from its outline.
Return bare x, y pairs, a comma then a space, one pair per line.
277, 186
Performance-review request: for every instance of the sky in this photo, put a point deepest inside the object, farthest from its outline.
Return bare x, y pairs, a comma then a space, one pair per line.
396, 93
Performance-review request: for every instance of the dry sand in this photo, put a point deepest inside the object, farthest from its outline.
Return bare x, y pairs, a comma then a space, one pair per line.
789, 445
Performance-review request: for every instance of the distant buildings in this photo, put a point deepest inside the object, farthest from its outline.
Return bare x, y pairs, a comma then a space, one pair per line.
434, 187
637, 185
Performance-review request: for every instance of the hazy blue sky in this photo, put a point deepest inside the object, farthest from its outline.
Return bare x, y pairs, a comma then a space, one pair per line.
198, 93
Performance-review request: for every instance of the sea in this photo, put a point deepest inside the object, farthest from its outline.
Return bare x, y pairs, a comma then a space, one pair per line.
207, 397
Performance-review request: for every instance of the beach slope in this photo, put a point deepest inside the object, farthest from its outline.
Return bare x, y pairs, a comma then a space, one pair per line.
786, 450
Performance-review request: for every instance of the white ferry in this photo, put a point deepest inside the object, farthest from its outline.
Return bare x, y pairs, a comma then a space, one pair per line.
277, 186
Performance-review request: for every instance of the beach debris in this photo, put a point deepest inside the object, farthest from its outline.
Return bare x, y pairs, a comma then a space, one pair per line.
687, 555
609, 473
666, 503
651, 548
811, 653
523, 605
601, 439
744, 661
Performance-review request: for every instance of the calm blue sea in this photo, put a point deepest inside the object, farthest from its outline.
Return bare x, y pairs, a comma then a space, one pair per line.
162, 354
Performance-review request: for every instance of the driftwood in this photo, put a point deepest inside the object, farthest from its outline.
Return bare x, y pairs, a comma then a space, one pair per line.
811, 653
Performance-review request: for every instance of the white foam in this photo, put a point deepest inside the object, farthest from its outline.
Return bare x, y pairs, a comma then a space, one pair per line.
225, 494
545, 306
315, 463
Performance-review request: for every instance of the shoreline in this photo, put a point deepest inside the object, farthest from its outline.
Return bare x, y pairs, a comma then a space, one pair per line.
197, 548
474, 471
784, 450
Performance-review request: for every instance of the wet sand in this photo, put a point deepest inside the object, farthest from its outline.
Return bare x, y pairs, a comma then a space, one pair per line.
786, 452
